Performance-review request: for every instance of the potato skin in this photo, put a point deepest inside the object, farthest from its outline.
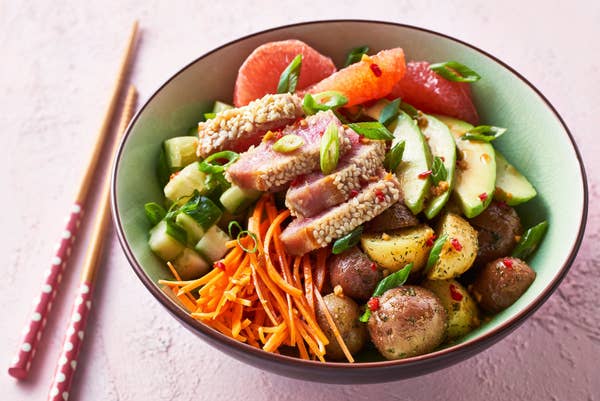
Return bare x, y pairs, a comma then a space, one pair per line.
395, 217
462, 311
353, 271
345, 313
501, 282
396, 249
454, 262
410, 321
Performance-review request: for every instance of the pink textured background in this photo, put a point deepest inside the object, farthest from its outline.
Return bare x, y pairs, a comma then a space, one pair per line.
58, 61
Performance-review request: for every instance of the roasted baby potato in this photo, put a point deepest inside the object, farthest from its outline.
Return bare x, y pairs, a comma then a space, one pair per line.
463, 314
355, 273
458, 252
398, 248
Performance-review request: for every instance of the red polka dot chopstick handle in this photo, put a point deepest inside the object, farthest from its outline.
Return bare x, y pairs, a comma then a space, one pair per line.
65, 369
34, 328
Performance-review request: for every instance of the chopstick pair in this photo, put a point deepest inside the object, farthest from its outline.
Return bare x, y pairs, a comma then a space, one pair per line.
32, 333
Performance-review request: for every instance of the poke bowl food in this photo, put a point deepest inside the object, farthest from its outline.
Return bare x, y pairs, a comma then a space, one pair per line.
344, 214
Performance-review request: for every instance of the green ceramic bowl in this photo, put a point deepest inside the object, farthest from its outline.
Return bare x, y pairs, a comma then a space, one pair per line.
538, 143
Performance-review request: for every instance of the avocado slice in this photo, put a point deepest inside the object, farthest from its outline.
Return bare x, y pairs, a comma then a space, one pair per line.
511, 186
441, 143
476, 172
416, 160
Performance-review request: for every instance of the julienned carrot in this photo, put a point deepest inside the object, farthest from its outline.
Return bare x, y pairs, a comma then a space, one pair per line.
333, 326
264, 298
321, 268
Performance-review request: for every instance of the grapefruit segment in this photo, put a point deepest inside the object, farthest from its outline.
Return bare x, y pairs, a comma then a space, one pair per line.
260, 72
429, 92
371, 78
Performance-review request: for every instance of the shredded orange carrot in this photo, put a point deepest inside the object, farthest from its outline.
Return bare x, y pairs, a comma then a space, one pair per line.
308, 282
333, 327
321, 268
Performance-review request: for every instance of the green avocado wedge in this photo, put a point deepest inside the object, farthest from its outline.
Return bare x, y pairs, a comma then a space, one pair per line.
512, 187
416, 160
476, 174
441, 143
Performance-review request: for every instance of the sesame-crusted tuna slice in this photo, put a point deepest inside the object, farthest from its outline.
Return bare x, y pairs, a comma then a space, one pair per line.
264, 169
316, 192
238, 129
306, 234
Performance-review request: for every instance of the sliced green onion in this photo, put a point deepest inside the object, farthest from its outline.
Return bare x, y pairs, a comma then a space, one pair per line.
289, 77
154, 212
176, 232
207, 167
372, 130
455, 72
204, 211
438, 170
394, 280
208, 116
394, 157
355, 55
347, 241
486, 133
251, 235
288, 143
389, 111
530, 240
410, 110
330, 148
328, 100
434, 254
233, 224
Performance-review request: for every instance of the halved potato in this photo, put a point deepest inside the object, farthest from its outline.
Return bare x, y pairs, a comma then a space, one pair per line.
458, 252
462, 311
398, 248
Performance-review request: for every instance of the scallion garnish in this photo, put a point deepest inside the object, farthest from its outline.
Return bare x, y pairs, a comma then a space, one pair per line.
251, 235
289, 77
176, 232
394, 280
455, 72
486, 133
372, 130
206, 165
288, 143
234, 224
436, 249
154, 212
312, 103
394, 157
208, 116
530, 240
438, 170
347, 241
389, 111
410, 110
330, 149
355, 55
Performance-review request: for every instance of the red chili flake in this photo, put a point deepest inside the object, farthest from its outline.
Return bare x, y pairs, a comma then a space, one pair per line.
374, 266
173, 175
508, 263
380, 196
502, 204
443, 158
455, 294
425, 174
278, 135
373, 304
431, 239
376, 70
219, 265
353, 193
483, 196
456, 244
298, 181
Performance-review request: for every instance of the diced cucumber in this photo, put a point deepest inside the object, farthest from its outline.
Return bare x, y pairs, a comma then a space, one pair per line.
416, 160
192, 228
183, 185
375, 111
190, 265
202, 210
163, 243
235, 199
180, 151
442, 145
213, 245
476, 174
511, 186
221, 106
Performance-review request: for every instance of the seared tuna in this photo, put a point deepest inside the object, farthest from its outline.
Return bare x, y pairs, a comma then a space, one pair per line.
316, 192
264, 169
238, 129
306, 234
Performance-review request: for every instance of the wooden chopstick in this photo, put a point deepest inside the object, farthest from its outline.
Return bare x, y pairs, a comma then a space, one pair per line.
65, 368
32, 332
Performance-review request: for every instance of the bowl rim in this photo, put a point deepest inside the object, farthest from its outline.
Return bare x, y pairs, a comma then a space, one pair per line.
467, 347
